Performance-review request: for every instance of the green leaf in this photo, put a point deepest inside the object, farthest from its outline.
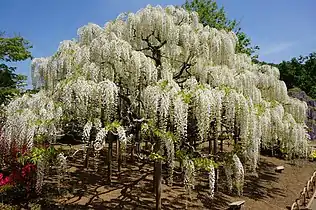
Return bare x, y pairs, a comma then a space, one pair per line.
204, 163
12, 49
186, 97
164, 84
156, 156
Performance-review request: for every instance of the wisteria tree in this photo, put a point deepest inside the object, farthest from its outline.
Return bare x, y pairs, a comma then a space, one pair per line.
159, 76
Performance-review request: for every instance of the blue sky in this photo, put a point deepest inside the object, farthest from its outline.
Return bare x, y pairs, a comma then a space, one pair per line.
282, 28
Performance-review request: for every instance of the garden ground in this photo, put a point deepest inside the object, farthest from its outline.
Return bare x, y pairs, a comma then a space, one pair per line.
132, 187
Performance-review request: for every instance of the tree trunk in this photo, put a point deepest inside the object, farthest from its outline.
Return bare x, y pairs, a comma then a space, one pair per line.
215, 159
117, 150
89, 147
156, 150
146, 145
154, 178
137, 147
86, 161
210, 146
110, 148
158, 167
119, 157
132, 153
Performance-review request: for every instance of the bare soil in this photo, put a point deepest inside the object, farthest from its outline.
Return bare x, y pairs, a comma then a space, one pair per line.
132, 187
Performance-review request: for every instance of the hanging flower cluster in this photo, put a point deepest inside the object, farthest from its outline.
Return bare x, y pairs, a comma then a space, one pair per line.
211, 179
228, 174
61, 167
31, 116
189, 174
238, 171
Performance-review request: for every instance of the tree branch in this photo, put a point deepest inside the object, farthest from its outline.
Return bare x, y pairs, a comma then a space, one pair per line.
184, 67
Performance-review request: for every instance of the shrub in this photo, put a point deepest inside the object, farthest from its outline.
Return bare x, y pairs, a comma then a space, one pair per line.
19, 177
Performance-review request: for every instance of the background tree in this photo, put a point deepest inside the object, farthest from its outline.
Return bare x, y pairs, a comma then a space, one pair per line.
300, 72
213, 16
12, 49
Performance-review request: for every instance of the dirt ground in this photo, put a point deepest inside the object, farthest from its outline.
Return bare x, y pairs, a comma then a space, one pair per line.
132, 188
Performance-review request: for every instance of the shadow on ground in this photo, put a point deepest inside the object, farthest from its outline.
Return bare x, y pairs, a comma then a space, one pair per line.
132, 188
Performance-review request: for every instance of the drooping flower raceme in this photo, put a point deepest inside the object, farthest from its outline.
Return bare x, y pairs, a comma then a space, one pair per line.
238, 171
211, 179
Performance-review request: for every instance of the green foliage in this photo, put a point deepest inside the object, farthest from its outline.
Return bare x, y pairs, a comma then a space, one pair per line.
274, 103
6, 188
12, 50
202, 86
260, 109
151, 130
37, 154
313, 155
300, 72
186, 97
210, 14
156, 156
42, 122
164, 84
40, 138
226, 89
238, 186
204, 163
112, 126
180, 155
199, 163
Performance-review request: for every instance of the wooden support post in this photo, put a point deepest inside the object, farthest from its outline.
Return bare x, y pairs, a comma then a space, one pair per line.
154, 177
146, 145
138, 148
132, 153
89, 147
117, 149
110, 148
209, 145
119, 156
86, 160
215, 159
158, 169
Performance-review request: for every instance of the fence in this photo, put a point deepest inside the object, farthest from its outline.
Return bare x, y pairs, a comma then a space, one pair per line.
306, 196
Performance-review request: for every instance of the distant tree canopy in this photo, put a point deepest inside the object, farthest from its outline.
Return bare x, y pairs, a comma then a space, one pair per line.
213, 16
300, 72
12, 49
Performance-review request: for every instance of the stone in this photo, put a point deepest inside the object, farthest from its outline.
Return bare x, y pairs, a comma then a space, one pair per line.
236, 205
72, 170
279, 169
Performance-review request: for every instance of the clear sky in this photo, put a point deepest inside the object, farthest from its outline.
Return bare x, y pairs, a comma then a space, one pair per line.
282, 28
